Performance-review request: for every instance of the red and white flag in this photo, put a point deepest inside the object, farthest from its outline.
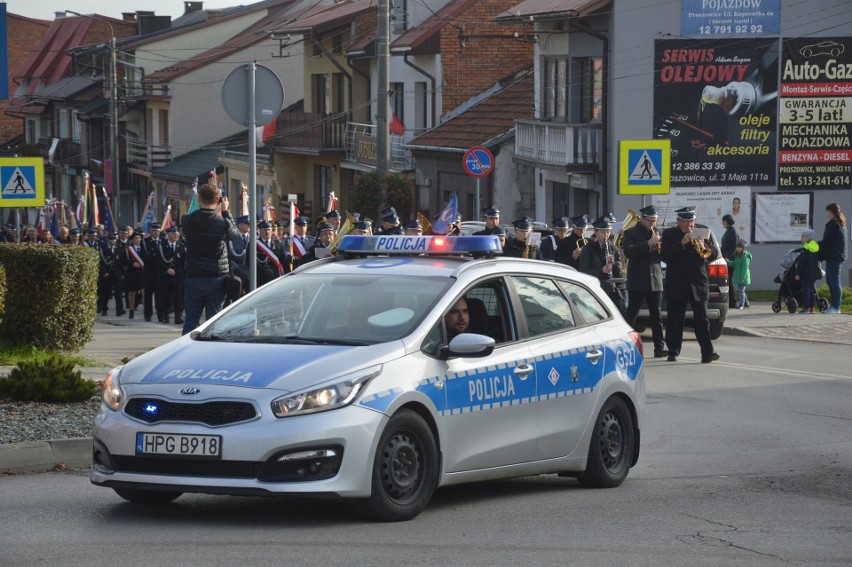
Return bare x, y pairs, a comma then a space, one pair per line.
332, 203
167, 220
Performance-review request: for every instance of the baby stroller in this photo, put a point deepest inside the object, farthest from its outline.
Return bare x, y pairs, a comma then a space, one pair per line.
790, 289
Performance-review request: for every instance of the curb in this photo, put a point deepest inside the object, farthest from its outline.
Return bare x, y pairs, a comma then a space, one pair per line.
39, 456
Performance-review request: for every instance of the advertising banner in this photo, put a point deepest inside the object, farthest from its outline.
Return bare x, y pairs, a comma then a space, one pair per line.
716, 100
814, 150
781, 217
730, 17
711, 204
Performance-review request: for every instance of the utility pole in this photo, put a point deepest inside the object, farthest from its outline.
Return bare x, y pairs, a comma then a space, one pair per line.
382, 131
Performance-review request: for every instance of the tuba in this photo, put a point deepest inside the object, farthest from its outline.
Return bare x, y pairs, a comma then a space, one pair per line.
629, 221
346, 228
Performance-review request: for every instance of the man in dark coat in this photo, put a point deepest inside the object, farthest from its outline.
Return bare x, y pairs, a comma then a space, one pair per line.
729, 246
150, 250
516, 246
568, 249
686, 282
491, 216
598, 258
169, 261
641, 247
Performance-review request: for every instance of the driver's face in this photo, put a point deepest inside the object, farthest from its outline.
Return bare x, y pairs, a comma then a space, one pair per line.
457, 319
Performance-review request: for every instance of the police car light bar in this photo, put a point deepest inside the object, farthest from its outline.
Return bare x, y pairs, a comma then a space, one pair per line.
417, 245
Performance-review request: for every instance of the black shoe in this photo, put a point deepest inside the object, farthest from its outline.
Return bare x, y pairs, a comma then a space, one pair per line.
132, 314
178, 321
672, 357
120, 313
165, 320
660, 353
711, 358
148, 319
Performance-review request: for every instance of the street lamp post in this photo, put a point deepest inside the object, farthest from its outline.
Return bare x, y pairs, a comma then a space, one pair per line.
113, 111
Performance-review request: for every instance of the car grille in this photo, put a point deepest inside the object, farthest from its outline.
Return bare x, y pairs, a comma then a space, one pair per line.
187, 467
208, 413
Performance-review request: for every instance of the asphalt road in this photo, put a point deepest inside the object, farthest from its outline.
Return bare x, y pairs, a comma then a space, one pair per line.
746, 461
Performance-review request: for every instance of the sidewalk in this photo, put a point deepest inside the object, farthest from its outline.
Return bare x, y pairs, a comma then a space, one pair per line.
116, 338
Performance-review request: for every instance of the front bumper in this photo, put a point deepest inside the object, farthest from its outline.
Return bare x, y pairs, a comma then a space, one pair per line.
250, 462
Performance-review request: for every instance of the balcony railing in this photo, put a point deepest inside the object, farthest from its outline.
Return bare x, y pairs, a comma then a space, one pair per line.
361, 146
558, 143
60, 151
146, 156
310, 131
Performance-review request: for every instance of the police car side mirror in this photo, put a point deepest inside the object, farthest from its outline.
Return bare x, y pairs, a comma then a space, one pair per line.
468, 345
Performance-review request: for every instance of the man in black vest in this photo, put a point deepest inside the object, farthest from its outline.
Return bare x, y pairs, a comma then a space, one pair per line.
686, 282
641, 247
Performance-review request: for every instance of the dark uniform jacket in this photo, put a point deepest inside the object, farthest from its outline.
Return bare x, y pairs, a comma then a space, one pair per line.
484, 232
565, 250
686, 271
514, 248
110, 261
643, 269
592, 260
206, 234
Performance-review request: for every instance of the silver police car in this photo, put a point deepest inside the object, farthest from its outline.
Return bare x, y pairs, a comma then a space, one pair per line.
401, 365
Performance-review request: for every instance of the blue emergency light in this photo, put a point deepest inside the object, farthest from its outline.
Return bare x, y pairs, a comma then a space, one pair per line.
421, 245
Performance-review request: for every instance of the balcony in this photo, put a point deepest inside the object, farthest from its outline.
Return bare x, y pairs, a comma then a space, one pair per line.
361, 146
575, 147
310, 132
60, 151
145, 156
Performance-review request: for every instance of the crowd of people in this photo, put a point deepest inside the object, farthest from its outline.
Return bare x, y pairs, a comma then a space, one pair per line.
179, 274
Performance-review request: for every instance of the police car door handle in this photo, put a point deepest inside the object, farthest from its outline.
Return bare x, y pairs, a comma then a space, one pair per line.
594, 355
523, 370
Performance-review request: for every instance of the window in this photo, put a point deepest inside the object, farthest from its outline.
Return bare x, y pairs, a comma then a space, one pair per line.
399, 15
586, 89
585, 302
420, 108
337, 43
487, 310
64, 123
554, 88
321, 94
545, 308
397, 100
75, 126
339, 99
31, 135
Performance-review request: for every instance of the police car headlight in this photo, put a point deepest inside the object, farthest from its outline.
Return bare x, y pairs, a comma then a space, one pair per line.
338, 394
112, 395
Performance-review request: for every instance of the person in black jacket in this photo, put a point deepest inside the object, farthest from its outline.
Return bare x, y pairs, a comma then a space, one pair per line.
686, 282
729, 246
207, 234
600, 259
171, 253
833, 249
641, 246
150, 250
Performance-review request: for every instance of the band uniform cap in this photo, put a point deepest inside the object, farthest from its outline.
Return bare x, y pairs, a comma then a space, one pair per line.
458, 217
686, 213
281, 224
301, 221
243, 219
333, 215
413, 225
603, 223
581, 221
610, 217
523, 223
391, 219
499, 231
155, 226
74, 232
112, 236
324, 227
490, 212
172, 230
264, 224
125, 228
92, 231
388, 212
363, 225
9, 225
561, 222
649, 212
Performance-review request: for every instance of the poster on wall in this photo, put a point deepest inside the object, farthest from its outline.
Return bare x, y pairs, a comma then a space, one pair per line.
781, 217
730, 17
814, 150
717, 102
711, 204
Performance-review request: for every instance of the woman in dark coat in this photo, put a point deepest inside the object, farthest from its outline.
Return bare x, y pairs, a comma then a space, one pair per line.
833, 249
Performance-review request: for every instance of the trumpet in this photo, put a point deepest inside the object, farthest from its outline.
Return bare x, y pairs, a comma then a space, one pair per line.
581, 242
658, 246
703, 251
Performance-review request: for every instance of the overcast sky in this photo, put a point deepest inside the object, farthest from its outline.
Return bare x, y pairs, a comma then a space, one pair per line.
45, 9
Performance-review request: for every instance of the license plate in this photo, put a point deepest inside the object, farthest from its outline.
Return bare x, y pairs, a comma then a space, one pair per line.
209, 446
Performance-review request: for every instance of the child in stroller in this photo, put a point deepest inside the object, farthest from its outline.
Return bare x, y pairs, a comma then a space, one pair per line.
790, 289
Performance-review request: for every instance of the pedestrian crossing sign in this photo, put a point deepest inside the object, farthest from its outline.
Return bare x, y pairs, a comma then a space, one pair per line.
644, 167
21, 182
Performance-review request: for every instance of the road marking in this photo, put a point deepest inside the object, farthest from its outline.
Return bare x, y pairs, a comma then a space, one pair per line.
769, 370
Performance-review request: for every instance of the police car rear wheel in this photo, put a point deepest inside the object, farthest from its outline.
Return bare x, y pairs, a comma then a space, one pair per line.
147, 496
611, 448
405, 471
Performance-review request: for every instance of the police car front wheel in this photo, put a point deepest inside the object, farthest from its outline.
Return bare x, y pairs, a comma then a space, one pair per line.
612, 446
405, 471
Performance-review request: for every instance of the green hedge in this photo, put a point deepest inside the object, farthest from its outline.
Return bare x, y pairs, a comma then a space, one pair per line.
51, 295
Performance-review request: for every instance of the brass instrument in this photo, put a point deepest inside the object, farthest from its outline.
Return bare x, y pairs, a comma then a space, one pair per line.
608, 258
629, 221
526, 253
424, 222
703, 251
659, 245
346, 228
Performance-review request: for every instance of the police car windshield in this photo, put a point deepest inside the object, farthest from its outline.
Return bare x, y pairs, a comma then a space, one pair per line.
328, 309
